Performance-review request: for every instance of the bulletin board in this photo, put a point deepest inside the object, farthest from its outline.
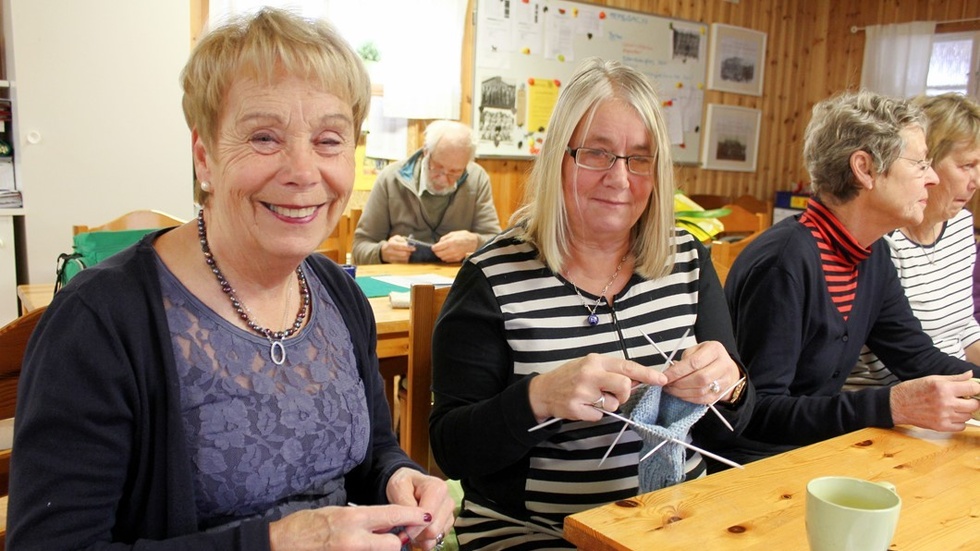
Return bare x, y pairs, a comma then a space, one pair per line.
525, 50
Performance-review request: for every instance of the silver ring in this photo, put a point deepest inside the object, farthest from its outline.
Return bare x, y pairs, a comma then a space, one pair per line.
440, 540
714, 387
600, 402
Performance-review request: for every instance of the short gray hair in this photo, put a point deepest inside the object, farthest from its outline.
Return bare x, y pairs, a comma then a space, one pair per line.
850, 122
455, 134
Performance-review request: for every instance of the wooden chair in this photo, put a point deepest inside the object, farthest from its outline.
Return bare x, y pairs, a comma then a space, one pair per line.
13, 343
426, 302
135, 220
741, 222
723, 254
757, 206
354, 218
334, 246
709, 201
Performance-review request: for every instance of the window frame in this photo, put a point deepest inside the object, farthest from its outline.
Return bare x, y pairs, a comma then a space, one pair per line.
973, 77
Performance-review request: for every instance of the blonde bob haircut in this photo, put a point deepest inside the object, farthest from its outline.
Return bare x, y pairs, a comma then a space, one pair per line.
268, 46
954, 120
544, 214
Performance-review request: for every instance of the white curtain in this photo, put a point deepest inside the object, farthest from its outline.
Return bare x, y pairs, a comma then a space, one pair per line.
422, 77
420, 42
896, 58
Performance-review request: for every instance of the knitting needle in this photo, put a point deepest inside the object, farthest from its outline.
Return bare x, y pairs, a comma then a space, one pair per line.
613, 445
670, 362
670, 359
727, 390
676, 441
544, 424
653, 451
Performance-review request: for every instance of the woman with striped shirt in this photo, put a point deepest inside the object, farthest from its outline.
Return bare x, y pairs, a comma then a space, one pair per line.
935, 257
551, 320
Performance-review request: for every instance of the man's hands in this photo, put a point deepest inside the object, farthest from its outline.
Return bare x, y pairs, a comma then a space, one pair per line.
396, 250
456, 245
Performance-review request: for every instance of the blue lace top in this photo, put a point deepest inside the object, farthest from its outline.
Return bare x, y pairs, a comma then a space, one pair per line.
266, 440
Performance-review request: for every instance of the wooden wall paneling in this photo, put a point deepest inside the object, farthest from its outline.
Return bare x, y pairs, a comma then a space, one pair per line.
811, 55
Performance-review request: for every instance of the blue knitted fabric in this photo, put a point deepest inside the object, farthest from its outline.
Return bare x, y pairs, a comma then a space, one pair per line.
660, 416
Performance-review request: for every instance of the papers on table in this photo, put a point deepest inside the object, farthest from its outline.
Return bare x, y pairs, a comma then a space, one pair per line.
407, 281
403, 299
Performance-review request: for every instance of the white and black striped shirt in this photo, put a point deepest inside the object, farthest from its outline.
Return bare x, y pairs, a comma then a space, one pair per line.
508, 317
938, 281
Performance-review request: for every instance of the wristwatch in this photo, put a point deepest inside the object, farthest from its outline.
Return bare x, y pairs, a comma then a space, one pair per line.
737, 391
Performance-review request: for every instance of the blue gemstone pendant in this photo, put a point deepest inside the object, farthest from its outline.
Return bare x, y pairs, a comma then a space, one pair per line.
593, 320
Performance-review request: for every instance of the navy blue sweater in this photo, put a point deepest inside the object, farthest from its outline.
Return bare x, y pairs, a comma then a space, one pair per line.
799, 350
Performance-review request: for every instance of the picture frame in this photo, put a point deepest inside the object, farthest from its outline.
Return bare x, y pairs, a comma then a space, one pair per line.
731, 138
736, 59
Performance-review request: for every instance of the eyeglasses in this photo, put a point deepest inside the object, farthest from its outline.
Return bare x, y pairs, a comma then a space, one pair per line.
922, 164
436, 170
597, 159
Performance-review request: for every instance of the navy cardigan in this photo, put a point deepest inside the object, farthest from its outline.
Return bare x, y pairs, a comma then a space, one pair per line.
799, 350
101, 459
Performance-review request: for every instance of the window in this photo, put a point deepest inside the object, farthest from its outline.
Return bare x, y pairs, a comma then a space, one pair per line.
953, 66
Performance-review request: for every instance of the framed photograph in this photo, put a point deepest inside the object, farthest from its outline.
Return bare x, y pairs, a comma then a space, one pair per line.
736, 59
731, 138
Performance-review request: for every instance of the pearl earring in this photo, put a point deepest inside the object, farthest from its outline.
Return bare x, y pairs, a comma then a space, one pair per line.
206, 186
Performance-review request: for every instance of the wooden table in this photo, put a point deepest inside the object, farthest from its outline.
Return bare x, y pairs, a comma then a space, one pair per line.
762, 507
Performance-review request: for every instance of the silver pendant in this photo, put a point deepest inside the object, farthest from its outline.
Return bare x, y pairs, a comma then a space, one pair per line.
593, 320
277, 352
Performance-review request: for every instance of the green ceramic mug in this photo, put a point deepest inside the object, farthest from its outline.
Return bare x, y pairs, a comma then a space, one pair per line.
850, 514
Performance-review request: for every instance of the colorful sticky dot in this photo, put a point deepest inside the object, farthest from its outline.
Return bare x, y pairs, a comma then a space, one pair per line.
602, 15
557, 82
561, 57
680, 84
530, 81
526, 51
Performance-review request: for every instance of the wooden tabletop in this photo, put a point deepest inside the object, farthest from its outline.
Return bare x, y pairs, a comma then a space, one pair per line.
392, 322
762, 507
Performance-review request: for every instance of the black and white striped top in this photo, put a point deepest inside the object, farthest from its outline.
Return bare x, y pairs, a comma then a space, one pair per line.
938, 281
508, 317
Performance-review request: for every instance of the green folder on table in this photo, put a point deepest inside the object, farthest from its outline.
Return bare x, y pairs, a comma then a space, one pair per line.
374, 288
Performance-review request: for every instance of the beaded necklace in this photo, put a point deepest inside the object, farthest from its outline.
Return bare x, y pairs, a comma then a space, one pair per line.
277, 351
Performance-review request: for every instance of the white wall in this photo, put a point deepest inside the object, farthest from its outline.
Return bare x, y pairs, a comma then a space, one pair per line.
97, 81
